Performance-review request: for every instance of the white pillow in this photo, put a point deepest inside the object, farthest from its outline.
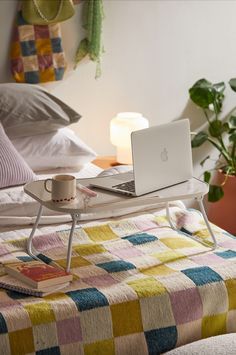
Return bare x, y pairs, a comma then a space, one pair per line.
58, 149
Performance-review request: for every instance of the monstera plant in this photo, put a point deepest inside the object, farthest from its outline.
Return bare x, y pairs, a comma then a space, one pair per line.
222, 135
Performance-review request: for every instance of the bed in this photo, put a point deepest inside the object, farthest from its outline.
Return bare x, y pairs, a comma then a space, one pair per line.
138, 286
137, 289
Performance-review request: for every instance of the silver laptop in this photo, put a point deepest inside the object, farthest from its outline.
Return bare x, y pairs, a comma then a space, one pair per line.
161, 157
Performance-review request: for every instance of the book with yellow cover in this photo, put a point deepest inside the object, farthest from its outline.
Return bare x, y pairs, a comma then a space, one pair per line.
37, 274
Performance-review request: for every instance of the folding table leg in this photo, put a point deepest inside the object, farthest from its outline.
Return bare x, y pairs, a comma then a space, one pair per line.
199, 199
207, 223
75, 218
30, 239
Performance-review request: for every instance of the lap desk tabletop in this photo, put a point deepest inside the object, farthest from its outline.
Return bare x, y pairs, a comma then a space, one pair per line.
192, 188
106, 200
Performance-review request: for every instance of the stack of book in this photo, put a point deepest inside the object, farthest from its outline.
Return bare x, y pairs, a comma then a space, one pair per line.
34, 278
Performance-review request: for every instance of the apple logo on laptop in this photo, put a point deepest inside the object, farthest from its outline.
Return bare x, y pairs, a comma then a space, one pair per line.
164, 155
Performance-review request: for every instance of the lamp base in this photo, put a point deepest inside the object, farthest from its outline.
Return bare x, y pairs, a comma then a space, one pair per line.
124, 156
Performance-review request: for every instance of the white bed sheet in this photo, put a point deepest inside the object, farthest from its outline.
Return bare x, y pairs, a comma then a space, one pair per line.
18, 209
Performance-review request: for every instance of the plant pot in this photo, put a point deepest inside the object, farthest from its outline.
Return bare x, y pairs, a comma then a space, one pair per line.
223, 212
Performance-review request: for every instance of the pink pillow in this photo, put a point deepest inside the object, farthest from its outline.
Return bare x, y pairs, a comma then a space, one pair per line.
13, 169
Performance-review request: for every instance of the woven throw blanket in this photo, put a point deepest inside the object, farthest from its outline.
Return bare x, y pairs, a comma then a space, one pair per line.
138, 288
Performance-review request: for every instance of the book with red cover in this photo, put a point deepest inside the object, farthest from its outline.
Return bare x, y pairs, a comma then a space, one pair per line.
38, 274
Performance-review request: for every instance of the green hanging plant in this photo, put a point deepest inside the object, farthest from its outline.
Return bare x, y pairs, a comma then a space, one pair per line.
210, 98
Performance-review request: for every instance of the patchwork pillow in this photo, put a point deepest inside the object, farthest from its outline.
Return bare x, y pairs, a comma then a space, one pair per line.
60, 149
13, 169
27, 110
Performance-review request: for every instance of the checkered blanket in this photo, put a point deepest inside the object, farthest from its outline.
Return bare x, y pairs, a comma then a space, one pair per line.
138, 288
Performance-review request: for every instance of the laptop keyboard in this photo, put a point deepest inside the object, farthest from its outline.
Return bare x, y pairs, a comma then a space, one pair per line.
126, 186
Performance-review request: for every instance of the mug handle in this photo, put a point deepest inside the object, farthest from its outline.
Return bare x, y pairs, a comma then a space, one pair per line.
45, 185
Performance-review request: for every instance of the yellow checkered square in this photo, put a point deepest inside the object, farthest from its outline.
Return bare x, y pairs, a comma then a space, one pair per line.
21, 342
87, 249
161, 220
76, 261
123, 324
168, 256
147, 287
177, 243
40, 312
231, 289
158, 270
100, 348
214, 325
100, 233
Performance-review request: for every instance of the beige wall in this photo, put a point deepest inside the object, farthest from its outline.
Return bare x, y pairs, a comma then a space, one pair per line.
154, 51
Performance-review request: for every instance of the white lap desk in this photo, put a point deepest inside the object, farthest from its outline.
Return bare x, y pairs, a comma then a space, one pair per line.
108, 201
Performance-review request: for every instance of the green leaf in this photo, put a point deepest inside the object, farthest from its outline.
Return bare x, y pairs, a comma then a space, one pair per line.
215, 193
232, 137
232, 121
232, 130
199, 139
230, 170
215, 128
204, 160
225, 127
218, 103
220, 87
232, 84
201, 93
207, 176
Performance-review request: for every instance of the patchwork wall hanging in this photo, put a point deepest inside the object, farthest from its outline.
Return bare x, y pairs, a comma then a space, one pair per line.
36, 52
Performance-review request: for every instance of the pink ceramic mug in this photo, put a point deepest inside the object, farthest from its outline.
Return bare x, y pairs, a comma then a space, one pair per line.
63, 188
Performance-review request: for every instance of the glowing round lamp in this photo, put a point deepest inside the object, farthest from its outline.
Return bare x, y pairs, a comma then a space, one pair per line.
121, 127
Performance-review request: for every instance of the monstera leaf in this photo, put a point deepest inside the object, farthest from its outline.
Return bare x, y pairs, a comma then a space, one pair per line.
199, 139
205, 94
215, 193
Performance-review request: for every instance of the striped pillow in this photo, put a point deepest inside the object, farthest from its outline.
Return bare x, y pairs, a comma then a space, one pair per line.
13, 169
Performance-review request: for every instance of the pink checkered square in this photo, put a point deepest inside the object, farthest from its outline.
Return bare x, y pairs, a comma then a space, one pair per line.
186, 305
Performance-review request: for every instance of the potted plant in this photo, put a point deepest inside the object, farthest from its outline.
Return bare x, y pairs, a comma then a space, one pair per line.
222, 135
